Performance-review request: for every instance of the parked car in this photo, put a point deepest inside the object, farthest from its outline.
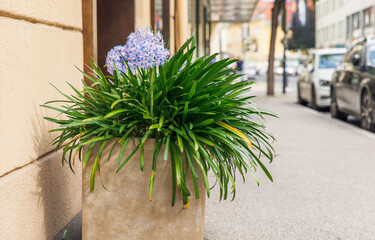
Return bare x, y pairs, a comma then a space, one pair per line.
291, 71
353, 84
314, 80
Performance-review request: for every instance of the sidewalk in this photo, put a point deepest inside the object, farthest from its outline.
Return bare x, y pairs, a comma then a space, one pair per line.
73, 229
323, 182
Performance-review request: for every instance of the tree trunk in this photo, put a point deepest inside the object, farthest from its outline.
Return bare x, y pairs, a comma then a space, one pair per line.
277, 6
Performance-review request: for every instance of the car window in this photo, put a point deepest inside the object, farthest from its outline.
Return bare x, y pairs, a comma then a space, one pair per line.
329, 60
371, 56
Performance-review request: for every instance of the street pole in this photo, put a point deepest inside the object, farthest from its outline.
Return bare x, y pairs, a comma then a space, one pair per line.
285, 43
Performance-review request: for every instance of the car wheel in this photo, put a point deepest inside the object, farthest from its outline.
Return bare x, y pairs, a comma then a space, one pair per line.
367, 119
335, 112
300, 100
313, 98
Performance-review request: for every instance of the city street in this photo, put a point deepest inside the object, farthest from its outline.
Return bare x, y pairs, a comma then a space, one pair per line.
98, 82
323, 180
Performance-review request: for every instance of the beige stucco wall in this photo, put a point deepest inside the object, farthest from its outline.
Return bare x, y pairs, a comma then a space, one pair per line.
260, 30
40, 43
67, 12
234, 39
33, 55
38, 200
142, 14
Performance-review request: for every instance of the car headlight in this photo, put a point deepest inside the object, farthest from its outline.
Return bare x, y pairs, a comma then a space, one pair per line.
324, 83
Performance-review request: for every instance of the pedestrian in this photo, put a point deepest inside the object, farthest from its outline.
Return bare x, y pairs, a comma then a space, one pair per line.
239, 65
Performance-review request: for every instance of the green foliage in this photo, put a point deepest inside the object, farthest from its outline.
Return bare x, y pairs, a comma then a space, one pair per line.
200, 110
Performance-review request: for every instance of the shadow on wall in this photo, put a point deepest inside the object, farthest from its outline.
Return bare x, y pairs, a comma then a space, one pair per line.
53, 181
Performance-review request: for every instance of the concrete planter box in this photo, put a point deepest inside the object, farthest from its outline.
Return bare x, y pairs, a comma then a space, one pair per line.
125, 211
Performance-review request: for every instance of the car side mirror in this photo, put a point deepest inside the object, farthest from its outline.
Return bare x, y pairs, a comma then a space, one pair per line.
310, 67
356, 59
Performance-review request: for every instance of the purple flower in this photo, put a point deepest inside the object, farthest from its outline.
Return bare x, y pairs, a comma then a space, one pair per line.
143, 49
115, 56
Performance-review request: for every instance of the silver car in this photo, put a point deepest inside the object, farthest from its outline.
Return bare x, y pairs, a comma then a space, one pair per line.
314, 81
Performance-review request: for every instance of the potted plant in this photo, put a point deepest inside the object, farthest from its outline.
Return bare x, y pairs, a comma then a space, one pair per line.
163, 124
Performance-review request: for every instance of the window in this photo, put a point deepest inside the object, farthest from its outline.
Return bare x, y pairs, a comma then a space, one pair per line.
341, 29
347, 26
367, 17
319, 11
371, 56
330, 32
329, 60
321, 35
325, 8
355, 20
330, 6
337, 32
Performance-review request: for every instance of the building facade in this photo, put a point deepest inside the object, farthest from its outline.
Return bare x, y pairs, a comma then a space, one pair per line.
40, 43
339, 22
258, 43
360, 19
330, 23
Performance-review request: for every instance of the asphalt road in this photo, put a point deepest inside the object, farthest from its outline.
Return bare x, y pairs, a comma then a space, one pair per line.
324, 180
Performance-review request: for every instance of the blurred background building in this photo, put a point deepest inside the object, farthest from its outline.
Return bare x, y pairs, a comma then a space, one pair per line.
339, 22
301, 24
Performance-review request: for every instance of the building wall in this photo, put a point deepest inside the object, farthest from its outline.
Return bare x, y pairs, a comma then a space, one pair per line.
227, 38
40, 42
330, 23
234, 39
334, 21
260, 36
357, 9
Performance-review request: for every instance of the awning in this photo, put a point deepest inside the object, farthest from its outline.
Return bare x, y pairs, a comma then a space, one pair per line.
230, 10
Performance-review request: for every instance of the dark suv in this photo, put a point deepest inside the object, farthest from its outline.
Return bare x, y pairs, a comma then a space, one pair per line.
353, 84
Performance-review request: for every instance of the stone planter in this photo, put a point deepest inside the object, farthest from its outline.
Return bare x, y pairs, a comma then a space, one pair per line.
125, 211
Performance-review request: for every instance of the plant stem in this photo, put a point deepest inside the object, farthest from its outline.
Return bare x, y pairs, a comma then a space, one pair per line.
152, 91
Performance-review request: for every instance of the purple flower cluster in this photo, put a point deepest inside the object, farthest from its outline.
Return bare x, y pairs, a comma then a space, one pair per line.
115, 56
143, 49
